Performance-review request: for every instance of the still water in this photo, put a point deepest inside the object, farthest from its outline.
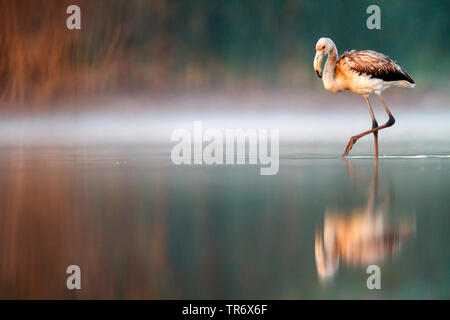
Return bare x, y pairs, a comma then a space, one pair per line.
141, 227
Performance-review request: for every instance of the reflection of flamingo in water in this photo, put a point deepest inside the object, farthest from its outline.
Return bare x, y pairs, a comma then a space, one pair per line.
362, 72
359, 237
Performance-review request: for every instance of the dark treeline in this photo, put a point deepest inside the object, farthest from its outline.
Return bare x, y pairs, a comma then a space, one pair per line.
165, 45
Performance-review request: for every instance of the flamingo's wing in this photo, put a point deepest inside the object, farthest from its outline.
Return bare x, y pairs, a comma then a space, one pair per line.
374, 64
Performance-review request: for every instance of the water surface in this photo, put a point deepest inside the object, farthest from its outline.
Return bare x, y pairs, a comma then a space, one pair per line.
141, 227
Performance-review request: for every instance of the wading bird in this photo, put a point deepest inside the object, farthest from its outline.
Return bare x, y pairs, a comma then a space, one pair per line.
362, 72
362, 235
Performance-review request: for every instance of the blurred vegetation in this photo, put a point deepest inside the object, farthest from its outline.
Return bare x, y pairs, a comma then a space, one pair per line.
165, 45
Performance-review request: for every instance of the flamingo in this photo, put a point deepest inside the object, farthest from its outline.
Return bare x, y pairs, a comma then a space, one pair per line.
362, 72
362, 235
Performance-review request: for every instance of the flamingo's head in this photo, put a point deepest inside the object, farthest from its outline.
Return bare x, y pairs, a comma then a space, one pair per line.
323, 47
327, 253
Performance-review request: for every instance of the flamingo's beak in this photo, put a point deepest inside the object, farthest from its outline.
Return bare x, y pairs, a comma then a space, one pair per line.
327, 257
318, 63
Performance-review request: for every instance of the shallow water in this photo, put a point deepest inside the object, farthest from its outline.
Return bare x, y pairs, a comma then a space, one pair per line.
141, 227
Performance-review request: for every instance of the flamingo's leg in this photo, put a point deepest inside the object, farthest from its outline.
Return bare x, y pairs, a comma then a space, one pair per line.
350, 170
374, 124
389, 123
373, 190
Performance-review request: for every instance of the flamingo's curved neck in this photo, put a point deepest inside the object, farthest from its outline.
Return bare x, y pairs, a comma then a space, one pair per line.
329, 80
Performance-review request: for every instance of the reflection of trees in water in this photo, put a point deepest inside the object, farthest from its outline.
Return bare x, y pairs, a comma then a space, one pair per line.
362, 235
54, 214
135, 231
144, 231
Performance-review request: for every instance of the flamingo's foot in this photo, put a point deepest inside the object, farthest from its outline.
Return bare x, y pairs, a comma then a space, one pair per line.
349, 146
